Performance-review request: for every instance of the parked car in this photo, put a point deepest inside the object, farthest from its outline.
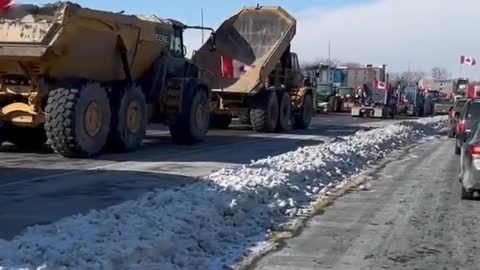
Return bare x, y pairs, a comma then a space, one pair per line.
453, 117
468, 119
469, 175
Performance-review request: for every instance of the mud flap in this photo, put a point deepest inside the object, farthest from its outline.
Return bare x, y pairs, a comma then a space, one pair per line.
356, 111
378, 112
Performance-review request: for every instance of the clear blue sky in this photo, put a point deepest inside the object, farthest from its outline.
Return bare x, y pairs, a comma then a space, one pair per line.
188, 11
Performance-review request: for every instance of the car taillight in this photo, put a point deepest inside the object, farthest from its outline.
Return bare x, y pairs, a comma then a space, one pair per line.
461, 127
475, 150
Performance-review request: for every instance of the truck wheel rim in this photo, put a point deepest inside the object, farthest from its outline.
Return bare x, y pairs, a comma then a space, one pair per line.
92, 119
133, 117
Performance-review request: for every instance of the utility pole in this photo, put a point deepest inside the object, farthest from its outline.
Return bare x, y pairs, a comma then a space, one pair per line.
329, 62
203, 40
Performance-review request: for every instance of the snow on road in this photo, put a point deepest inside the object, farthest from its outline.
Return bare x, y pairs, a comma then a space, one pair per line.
214, 222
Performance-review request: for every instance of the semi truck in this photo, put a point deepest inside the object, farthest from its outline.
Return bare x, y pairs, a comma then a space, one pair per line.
415, 101
375, 102
85, 80
254, 72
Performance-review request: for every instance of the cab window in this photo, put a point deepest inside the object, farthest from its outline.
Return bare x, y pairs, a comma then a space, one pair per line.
176, 43
294, 65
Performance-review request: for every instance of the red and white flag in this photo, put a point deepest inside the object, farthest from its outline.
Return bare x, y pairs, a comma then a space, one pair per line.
379, 85
4, 4
232, 68
465, 60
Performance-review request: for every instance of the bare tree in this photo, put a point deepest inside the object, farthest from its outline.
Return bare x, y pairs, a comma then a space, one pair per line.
440, 73
411, 77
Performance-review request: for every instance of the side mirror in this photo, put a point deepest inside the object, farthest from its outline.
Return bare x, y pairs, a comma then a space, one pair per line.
184, 50
213, 42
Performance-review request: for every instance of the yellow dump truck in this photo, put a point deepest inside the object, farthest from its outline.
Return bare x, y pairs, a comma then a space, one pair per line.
253, 73
85, 80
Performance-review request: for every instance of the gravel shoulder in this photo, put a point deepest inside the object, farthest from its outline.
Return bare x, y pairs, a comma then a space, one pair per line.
410, 217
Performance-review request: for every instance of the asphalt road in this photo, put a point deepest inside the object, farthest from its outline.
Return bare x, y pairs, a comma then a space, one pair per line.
41, 187
410, 217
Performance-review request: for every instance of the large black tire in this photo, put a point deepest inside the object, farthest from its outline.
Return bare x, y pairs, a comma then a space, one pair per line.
338, 105
129, 119
428, 110
69, 111
220, 121
331, 104
264, 112
458, 150
304, 118
284, 112
466, 195
24, 137
245, 118
192, 124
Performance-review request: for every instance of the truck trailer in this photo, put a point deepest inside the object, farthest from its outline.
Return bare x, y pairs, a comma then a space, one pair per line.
85, 80
253, 72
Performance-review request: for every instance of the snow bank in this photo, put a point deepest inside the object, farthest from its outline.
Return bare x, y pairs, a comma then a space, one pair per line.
210, 224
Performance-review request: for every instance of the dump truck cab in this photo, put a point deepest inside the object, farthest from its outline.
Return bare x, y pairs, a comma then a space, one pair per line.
88, 80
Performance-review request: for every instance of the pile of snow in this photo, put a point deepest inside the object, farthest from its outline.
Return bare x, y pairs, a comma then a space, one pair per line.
214, 222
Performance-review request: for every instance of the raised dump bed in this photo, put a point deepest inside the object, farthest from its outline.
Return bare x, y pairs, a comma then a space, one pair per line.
251, 66
82, 77
64, 40
256, 38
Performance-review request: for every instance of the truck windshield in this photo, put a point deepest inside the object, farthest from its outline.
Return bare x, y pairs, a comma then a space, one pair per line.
323, 89
344, 91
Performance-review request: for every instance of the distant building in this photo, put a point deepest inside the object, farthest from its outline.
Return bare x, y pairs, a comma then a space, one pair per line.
445, 86
331, 74
351, 76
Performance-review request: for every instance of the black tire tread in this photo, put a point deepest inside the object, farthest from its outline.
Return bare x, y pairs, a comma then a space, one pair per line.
181, 131
61, 119
284, 97
116, 141
258, 113
60, 112
299, 122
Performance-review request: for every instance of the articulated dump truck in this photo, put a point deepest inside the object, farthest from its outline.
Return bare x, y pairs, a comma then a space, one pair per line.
253, 73
85, 81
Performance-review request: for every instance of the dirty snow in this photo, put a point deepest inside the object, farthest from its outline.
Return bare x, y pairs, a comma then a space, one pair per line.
214, 222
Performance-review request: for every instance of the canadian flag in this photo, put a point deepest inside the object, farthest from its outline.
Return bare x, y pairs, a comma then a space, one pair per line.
232, 68
464, 60
4, 4
379, 85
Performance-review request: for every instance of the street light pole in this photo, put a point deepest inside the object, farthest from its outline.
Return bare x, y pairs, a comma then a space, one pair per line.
202, 26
